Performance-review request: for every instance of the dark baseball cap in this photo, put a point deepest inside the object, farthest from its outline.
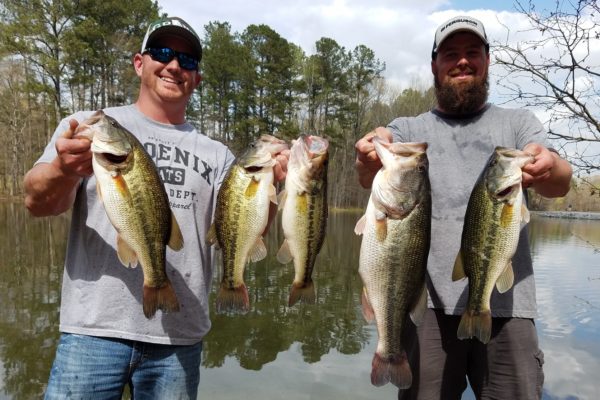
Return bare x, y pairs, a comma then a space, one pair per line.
173, 26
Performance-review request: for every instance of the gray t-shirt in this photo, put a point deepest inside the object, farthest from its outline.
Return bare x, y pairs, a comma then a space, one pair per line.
458, 151
100, 296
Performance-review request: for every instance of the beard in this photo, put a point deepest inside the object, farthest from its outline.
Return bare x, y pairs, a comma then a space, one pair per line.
462, 97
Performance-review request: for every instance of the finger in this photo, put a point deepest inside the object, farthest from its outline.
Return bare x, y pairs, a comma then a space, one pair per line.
71, 131
383, 133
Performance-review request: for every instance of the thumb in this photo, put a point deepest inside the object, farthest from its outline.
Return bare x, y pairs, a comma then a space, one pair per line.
71, 131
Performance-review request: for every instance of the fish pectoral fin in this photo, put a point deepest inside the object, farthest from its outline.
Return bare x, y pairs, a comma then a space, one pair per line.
211, 236
272, 194
459, 270
506, 279
99, 191
126, 254
176, 238
420, 306
360, 225
507, 215
258, 251
525, 217
367, 308
284, 255
381, 229
281, 198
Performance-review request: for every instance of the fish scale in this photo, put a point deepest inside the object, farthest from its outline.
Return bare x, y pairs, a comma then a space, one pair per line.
396, 231
241, 218
137, 205
304, 213
490, 237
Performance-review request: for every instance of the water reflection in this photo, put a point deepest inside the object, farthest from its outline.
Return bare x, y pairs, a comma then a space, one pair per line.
567, 269
306, 351
271, 327
31, 260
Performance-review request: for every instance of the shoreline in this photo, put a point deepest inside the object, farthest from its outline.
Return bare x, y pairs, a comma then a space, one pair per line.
568, 214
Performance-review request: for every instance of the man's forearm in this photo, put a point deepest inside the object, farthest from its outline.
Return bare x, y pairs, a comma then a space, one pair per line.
48, 191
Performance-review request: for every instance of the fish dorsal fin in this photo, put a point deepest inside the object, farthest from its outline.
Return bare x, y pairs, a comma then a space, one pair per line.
259, 251
281, 198
420, 306
459, 269
125, 253
506, 279
284, 255
211, 236
176, 238
367, 309
273, 194
359, 228
525, 217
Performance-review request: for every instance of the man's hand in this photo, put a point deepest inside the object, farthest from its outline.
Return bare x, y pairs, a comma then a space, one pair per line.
280, 169
74, 157
367, 160
549, 174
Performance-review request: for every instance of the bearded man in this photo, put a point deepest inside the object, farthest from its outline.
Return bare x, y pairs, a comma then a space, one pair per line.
462, 132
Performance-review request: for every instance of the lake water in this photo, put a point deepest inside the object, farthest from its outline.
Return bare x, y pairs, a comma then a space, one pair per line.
320, 351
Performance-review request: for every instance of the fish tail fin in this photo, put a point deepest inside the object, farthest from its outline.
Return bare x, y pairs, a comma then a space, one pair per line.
233, 299
394, 369
159, 298
475, 324
304, 292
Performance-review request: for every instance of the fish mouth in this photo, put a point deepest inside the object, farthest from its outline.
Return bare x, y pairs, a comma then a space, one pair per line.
505, 191
253, 169
113, 158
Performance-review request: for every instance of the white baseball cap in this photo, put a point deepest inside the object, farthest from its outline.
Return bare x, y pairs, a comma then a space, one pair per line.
460, 23
173, 26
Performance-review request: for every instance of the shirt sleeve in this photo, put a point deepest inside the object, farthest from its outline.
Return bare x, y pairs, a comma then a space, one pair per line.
399, 130
529, 129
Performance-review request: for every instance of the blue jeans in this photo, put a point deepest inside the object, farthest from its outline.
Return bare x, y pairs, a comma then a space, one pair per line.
88, 367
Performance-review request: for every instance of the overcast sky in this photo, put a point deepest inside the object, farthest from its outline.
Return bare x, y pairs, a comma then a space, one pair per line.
399, 32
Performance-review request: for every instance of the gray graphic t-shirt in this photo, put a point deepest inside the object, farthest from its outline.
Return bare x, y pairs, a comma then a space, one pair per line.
458, 151
100, 296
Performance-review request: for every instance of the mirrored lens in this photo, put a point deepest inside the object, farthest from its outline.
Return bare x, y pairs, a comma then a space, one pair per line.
166, 54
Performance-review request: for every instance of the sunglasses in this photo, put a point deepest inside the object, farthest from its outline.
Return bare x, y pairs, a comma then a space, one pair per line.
166, 54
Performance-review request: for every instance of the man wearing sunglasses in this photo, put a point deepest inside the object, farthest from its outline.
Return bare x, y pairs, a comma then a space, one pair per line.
106, 341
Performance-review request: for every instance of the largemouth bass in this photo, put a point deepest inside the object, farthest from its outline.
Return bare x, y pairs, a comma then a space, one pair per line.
241, 219
137, 205
304, 215
489, 238
396, 231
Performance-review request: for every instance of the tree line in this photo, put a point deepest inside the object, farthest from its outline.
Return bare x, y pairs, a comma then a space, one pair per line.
61, 56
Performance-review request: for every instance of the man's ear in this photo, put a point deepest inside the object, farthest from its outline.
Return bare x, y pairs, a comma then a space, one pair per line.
138, 63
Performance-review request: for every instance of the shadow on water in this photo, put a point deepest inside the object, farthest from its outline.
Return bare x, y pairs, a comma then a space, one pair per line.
31, 263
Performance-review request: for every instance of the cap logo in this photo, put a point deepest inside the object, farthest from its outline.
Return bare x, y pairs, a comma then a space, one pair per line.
468, 21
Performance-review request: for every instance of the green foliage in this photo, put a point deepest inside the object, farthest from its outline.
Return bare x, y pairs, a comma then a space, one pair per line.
77, 56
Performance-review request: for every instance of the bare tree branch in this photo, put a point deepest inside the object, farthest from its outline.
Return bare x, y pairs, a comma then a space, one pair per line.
556, 69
